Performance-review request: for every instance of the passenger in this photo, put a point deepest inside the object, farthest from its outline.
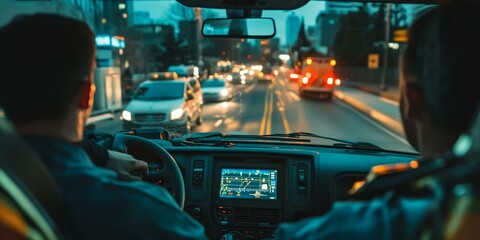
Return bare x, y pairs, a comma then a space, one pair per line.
47, 93
439, 95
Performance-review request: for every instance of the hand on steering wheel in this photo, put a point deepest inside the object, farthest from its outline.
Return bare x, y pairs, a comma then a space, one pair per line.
170, 171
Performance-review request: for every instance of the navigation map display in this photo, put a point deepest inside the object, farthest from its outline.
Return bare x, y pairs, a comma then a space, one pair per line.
248, 183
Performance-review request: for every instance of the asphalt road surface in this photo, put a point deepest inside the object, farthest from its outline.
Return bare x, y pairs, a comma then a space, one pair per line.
277, 108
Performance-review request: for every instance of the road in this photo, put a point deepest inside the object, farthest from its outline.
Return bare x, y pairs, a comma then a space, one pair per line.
277, 108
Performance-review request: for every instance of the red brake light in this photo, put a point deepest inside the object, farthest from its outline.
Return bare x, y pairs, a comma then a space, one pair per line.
330, 81
305, 80
294, 76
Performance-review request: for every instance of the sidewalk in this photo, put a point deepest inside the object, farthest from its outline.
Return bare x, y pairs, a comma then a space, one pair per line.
381, 106
392, 92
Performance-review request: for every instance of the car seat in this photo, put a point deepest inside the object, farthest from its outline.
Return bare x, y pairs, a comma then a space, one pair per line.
30, 202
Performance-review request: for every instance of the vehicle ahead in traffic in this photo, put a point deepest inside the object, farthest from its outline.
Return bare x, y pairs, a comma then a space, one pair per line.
266, 76
217, 89
317, 78
174, 104
237, 78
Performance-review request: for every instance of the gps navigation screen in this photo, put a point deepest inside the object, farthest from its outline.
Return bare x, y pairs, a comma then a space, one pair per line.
248, 183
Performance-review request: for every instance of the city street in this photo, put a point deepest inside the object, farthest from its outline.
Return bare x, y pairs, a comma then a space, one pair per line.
277, 108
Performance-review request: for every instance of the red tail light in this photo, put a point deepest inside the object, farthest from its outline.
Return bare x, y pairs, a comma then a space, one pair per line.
330, 81
305, 80
294, 76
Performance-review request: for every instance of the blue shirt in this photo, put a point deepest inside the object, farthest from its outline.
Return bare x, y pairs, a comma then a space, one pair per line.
98, 206
384, 217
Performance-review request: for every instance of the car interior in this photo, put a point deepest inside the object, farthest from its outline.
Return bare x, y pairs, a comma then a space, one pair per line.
285, 177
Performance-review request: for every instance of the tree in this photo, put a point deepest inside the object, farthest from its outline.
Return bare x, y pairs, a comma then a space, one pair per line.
354, 39
179, 12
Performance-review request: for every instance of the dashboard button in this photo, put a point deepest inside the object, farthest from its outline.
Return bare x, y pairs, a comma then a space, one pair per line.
302, 178
198, 170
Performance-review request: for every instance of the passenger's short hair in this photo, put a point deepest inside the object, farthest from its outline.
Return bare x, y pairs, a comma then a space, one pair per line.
443, 57
44, 58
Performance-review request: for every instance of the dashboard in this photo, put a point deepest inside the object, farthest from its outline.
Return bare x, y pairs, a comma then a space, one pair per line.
245, 192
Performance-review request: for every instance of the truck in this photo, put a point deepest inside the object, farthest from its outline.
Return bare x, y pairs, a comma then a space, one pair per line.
317, 78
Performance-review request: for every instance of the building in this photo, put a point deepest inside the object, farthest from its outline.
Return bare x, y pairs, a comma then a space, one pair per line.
146, 44
326, 29
188, 35
293, 26
311, 33
89, 11
142, 18
341, 8
101, 18
115, 19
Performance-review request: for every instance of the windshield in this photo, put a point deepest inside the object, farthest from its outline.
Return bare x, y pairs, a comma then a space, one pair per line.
213, 83
277, 87
160, 91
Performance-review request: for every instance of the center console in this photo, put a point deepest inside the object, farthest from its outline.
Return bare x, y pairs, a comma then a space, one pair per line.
248, 196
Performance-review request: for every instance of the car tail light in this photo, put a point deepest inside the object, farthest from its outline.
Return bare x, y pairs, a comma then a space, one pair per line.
330, 81
294, 76
305, 80
338, 82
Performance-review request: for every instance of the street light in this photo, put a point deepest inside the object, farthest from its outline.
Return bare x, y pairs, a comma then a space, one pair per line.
385, 59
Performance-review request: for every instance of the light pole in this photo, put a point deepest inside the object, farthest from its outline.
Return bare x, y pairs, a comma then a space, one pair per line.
198, 17
387, 36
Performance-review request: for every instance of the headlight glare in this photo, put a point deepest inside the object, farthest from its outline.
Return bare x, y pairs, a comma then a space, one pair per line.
176, 114
126, 115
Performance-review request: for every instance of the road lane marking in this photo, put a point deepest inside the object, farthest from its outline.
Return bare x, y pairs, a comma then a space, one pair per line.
265, 111
250, 88
294, 95
281, 109
270, 112
395, 103
218, 123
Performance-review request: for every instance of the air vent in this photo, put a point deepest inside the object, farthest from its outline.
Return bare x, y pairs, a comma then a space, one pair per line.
256, 216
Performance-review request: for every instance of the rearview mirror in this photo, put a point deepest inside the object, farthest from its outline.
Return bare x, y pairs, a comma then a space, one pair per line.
239, 28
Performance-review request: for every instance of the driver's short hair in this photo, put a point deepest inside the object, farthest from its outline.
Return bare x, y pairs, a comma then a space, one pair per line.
443, 58
44, 58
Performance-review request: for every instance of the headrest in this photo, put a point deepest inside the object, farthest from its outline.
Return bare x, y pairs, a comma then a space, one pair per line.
21, 161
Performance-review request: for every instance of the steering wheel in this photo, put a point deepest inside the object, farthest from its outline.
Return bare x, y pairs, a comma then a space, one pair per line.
170, 171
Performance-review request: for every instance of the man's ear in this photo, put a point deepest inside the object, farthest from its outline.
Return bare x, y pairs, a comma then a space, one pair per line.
86, 95
413, 102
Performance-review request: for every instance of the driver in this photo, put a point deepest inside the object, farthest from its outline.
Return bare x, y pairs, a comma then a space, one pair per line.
47, 93
439, 94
